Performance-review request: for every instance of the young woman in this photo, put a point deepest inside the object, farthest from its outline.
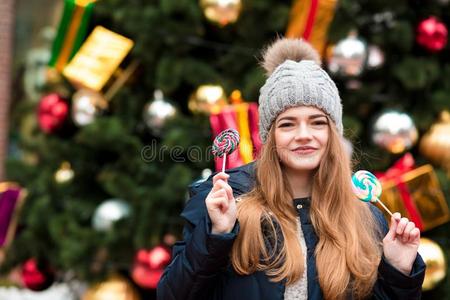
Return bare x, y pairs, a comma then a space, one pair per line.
288, 226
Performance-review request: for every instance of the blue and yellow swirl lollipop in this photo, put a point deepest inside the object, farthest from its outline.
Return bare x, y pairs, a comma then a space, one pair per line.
367, 187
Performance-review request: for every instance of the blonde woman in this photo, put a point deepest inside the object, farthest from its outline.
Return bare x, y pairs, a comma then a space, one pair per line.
288, 225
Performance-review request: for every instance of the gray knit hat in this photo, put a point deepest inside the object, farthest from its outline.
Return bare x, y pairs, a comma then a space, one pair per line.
295, 78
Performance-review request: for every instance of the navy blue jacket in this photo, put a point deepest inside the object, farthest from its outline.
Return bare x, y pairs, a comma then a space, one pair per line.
201, 268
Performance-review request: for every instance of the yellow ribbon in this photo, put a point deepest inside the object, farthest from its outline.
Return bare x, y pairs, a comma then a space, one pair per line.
323, 17
299, 16
70, 37
245, 144
84, 2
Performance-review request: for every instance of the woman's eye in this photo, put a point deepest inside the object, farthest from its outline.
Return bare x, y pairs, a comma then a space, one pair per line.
285, 125
319, 123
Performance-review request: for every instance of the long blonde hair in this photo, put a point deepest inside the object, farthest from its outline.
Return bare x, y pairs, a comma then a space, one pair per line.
348, 249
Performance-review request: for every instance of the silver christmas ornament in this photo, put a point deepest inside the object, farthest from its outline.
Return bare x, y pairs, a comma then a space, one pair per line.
109, 212
348, 57
87, 105
375, 58
394, 131
157, 112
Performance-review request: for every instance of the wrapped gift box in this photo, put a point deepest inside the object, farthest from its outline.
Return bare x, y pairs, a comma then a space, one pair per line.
11, 199
417, 195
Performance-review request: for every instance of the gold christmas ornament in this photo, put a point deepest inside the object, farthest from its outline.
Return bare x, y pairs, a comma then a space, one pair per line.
207, 98
434, 258
157, 112
435, 144
86, 106
64, 173
222, 12
394, 131
114, 288
236, 97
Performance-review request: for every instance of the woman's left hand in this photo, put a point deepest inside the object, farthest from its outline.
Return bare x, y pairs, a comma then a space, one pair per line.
401, 243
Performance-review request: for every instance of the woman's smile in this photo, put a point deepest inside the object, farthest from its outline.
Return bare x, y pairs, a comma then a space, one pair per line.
305, 150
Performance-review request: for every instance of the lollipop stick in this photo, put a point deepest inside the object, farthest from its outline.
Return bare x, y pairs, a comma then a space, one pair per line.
384, 206
224, 160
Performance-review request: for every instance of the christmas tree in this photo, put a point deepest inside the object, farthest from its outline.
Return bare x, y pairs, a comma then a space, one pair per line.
131, 149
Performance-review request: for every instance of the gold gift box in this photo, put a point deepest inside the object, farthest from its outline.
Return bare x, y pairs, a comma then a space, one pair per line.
98, 58
425, 192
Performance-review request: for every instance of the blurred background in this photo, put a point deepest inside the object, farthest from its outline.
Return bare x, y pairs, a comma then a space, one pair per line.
108, 110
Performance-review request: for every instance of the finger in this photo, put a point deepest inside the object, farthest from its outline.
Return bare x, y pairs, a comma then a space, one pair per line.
397, 216
219, 193
414, 235
225, 186
393, 226
221, 175
407, 232
220, 203
217, 186
401, 226
221, 184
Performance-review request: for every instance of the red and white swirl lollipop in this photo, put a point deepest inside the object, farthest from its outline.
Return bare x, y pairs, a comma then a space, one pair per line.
225, 143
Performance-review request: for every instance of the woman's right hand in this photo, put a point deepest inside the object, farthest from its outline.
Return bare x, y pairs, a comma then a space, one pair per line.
221, 205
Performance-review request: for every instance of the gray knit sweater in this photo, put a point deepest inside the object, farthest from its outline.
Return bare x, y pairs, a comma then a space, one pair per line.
299, 290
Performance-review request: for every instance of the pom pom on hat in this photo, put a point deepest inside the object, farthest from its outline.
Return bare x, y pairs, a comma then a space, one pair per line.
287, 49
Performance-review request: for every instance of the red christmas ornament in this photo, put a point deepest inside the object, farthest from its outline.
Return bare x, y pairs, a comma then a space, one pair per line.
36, 277
149, 266
432, 34
52, 112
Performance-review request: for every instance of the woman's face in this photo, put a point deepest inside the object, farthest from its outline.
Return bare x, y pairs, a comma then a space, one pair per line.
301, 136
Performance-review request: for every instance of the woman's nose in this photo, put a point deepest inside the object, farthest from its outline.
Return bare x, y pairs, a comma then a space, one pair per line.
303, 132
